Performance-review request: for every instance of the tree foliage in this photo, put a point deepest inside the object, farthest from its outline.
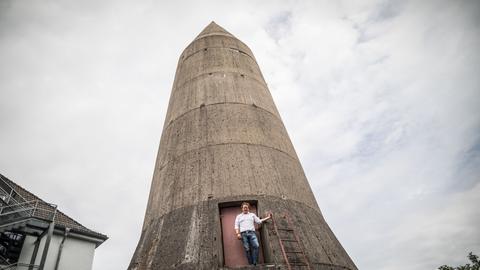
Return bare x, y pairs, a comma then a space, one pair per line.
474, 266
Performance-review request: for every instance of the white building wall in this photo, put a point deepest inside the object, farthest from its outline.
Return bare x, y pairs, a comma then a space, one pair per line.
27, 249
76, 254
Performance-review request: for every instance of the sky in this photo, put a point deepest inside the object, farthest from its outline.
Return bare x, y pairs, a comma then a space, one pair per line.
380, 99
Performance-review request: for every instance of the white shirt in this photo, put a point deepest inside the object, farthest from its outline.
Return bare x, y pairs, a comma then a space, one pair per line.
244, 222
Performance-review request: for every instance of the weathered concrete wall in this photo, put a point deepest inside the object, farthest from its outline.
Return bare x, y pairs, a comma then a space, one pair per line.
223, 140
190, 237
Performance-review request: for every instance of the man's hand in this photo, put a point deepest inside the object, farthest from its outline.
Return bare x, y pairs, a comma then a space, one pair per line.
239, 236
269, 216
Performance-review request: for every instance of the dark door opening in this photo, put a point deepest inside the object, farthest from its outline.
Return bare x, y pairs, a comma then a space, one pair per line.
233, 252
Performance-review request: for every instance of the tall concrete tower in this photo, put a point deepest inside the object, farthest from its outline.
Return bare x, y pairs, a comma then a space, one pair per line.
223, 142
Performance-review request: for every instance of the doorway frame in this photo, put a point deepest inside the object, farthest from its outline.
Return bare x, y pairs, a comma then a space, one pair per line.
262, 231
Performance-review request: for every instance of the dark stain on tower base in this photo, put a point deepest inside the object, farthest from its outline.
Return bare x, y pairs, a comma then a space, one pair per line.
223, 142
190, 237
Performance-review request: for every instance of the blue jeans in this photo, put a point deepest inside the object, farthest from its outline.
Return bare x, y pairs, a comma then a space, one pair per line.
250, 244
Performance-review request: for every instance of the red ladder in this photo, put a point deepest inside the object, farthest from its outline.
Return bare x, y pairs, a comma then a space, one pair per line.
295, 248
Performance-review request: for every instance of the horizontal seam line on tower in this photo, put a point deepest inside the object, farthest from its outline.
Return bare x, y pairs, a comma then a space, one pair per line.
230, 48
218, 103
221, 144
217, 34
214, 34
264, 84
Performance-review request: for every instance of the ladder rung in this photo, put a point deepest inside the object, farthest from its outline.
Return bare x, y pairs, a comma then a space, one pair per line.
296, 263
289, 240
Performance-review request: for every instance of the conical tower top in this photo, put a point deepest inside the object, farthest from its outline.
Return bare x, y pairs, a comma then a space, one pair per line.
213, 29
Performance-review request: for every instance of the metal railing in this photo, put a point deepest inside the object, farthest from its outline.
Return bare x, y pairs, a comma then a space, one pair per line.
19, 266
3, 261
31, 209
15, 209
5, 264
13, 206
8, 194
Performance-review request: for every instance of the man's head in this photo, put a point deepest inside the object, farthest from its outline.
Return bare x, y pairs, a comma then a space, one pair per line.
245, 207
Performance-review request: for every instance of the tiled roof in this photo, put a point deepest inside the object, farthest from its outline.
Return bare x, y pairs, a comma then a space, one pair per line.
61, 219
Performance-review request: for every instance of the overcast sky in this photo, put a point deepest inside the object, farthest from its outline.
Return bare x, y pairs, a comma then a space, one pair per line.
381, 100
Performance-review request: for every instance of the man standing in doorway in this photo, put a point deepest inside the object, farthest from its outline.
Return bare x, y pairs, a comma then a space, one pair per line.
245, 229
